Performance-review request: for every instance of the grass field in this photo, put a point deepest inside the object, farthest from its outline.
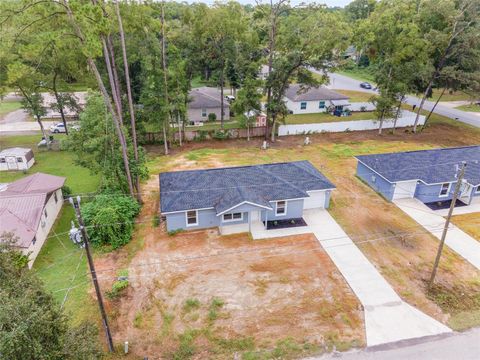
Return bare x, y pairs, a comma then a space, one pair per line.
470, 223
356, 96
470, 108
361, 74
9, 106
326, 117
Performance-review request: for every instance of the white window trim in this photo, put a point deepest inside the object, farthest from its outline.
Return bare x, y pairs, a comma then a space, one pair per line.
204, 113
448, 190
477, 190
306, 104
276, 208
232, 219
322, 106
196, 218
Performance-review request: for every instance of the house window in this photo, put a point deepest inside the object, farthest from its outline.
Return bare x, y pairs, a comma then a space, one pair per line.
2, 160
204, 112
45, 212
192, 218
444, 190
19, 159
321, 105
303, 105
34, 241
232, 217
477, 191
55, 197
281, 208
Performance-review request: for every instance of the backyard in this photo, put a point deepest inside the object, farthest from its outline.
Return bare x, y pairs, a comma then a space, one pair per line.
469, 223
327, 117
197, 295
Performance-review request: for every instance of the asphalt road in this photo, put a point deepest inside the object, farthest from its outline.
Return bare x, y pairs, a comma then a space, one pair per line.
460, 346
338, 81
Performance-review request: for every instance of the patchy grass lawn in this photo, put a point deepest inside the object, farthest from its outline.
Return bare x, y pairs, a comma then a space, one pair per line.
469, 107
7, 106
449, 95
470, 223
356, 96
60, 163
359, 73
326, 118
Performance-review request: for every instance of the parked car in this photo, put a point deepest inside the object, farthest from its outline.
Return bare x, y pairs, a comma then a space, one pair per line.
365, 85
230, 98
60, 128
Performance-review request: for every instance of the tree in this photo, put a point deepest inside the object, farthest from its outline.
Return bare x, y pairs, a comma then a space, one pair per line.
247, 103
360, 9
446, 24
32, 326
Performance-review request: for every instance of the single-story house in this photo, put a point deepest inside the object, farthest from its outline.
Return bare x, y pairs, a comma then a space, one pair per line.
260, 118
49, 101
428, 175
241, 196
28, 209
16, 158
313, 100
204, 101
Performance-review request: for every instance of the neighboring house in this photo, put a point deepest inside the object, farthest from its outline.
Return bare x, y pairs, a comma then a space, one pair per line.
428, 175
204, 101
313, 100
239, 197
28, 208
49, 99
16, 159
263, 72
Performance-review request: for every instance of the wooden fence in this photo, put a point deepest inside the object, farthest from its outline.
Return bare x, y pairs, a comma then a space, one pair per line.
199, 135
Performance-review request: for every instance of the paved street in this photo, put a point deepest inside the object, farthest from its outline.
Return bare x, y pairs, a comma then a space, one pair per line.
461, 346
338, 81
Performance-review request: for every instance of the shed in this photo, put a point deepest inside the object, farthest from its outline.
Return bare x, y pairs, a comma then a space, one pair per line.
16, 158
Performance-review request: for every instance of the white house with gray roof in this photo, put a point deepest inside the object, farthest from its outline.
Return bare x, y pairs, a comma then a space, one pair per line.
236, 198
204, 101
16, 158
300, 100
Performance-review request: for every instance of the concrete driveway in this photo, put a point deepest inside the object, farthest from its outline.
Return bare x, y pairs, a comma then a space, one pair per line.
460, 242
387, 317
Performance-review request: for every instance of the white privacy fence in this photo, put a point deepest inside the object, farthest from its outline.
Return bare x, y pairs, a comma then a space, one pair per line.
406, 119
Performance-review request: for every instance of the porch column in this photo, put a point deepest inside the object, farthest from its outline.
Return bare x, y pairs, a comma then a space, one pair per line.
266, 219
249, 221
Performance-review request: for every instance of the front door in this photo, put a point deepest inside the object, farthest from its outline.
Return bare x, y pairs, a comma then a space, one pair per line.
11, 162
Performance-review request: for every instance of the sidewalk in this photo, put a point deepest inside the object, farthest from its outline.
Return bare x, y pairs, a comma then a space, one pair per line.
460, 242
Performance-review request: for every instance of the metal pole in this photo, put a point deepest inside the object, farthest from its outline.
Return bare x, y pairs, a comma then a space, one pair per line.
447, 224
76, 206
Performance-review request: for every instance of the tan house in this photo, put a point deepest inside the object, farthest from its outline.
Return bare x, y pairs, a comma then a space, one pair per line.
28, 208
204, 101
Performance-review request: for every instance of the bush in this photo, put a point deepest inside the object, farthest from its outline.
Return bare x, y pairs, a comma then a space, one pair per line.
221, 134
119, 285
212, 117
66, 191
110, 219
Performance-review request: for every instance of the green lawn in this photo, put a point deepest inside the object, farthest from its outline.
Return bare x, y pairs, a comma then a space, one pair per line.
231, 124
9, 106
470, 108
57, 262
326, 117
60, 163
356, 96
61, 265
362, 74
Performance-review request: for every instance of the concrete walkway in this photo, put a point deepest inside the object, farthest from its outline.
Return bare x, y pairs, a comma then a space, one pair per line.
460, 242
387, 317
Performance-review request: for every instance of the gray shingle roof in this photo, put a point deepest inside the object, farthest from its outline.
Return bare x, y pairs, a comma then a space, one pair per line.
430, 166
312, 94
205, 97
224, 188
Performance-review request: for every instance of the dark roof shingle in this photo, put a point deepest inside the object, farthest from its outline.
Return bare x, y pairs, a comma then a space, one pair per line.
430, 166
224, 188
295, 93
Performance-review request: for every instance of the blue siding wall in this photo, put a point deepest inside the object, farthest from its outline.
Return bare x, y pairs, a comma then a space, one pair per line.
245, 220
294, 210
206, 219
375, 181
430, 193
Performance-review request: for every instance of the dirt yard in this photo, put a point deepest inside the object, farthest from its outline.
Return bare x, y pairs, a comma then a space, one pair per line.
470, 223
208, 296
282, 296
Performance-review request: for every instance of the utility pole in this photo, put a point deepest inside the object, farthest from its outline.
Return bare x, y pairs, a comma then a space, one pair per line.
447, 223
76, 205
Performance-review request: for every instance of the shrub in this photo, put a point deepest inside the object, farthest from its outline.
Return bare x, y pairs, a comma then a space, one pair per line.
221, 134
66, 191
110, 219
191, 304
119, 285
212, 117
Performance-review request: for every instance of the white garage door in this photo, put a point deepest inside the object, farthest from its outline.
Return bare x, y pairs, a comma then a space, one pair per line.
316, 200
404, 190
